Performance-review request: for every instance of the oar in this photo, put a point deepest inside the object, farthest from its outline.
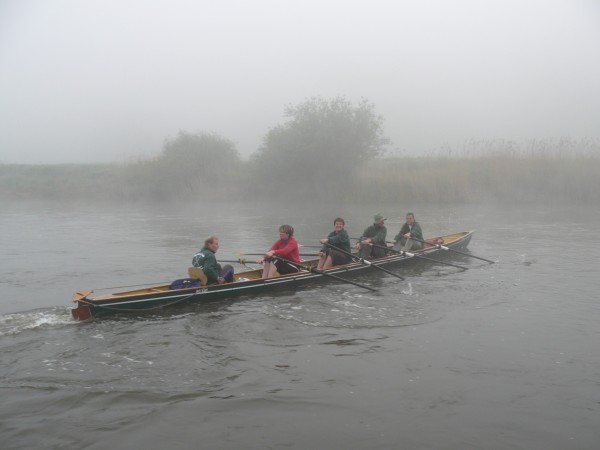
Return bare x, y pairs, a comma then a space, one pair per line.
320, 272
410, 255
437, 261
443, 247
364, 261
241, 261
261, 254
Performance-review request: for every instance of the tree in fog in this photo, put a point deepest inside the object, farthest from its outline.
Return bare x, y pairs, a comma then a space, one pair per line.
196, 163
320, 148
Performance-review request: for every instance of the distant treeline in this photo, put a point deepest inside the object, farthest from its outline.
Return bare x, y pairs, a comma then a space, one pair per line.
327, 151
426, 179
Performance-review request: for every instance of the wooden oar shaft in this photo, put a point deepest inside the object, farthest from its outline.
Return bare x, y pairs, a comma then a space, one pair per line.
261, 254
443, 247
241, 261
410, 255
364, 261
333, 247
320, 272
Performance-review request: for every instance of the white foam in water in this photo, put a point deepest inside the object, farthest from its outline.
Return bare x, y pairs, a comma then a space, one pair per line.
11, 324
408, 291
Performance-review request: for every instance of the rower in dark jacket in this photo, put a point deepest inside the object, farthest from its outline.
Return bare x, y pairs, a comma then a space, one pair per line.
329, 256
206, 260
408, 230
372, 242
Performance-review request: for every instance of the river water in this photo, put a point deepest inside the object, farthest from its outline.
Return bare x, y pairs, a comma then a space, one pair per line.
502, 355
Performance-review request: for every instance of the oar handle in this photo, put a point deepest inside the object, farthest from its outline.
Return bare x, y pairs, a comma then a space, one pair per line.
320, 272
293, 263
389, 249
241, 261
261, 254
368, 263
437, 245
347, 253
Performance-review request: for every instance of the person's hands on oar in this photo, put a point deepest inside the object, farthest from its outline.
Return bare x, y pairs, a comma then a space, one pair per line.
262, 254
320, 272
241, 261
243, 254
364, 261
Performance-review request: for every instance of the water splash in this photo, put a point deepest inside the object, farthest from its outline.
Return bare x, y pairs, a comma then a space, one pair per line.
17, 323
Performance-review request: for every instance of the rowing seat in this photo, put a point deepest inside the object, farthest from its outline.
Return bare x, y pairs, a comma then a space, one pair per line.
198, 273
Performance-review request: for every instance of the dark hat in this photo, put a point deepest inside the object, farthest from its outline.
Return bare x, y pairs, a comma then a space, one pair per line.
379, 218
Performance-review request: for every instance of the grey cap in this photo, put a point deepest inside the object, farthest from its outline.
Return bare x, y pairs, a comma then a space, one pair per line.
379, 218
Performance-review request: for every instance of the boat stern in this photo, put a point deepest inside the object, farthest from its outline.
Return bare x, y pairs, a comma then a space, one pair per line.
82, 311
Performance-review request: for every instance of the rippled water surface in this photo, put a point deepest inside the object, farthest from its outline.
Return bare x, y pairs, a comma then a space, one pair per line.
501, 355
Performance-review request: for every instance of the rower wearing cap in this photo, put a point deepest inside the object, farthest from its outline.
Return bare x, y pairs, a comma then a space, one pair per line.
411, 229
371, 237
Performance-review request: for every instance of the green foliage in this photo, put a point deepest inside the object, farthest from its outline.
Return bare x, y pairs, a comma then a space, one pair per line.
56, 182
206, 153
201, 163
320, 147
327, 151
192, 165
483, 179
201, 166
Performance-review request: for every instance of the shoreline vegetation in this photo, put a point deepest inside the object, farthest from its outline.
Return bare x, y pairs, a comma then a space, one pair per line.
329, 151
461, 180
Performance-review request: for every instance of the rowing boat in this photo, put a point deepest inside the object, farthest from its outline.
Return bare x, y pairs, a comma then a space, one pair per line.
247, 282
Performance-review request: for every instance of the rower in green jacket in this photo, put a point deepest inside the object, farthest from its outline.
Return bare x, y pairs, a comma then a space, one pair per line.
206, 260
408, 230
373, 239
329, 256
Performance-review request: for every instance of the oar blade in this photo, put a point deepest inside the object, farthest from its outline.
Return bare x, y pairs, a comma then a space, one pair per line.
364, 261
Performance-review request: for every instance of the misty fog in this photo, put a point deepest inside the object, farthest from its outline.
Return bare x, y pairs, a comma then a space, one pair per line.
110, 81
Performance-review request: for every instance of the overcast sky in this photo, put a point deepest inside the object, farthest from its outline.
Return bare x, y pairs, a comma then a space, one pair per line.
110, 80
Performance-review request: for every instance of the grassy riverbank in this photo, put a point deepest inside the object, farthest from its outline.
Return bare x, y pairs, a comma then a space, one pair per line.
486, 178
499, 178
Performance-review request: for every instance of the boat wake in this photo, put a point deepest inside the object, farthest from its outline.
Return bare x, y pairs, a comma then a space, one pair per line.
336, 308
16, 323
